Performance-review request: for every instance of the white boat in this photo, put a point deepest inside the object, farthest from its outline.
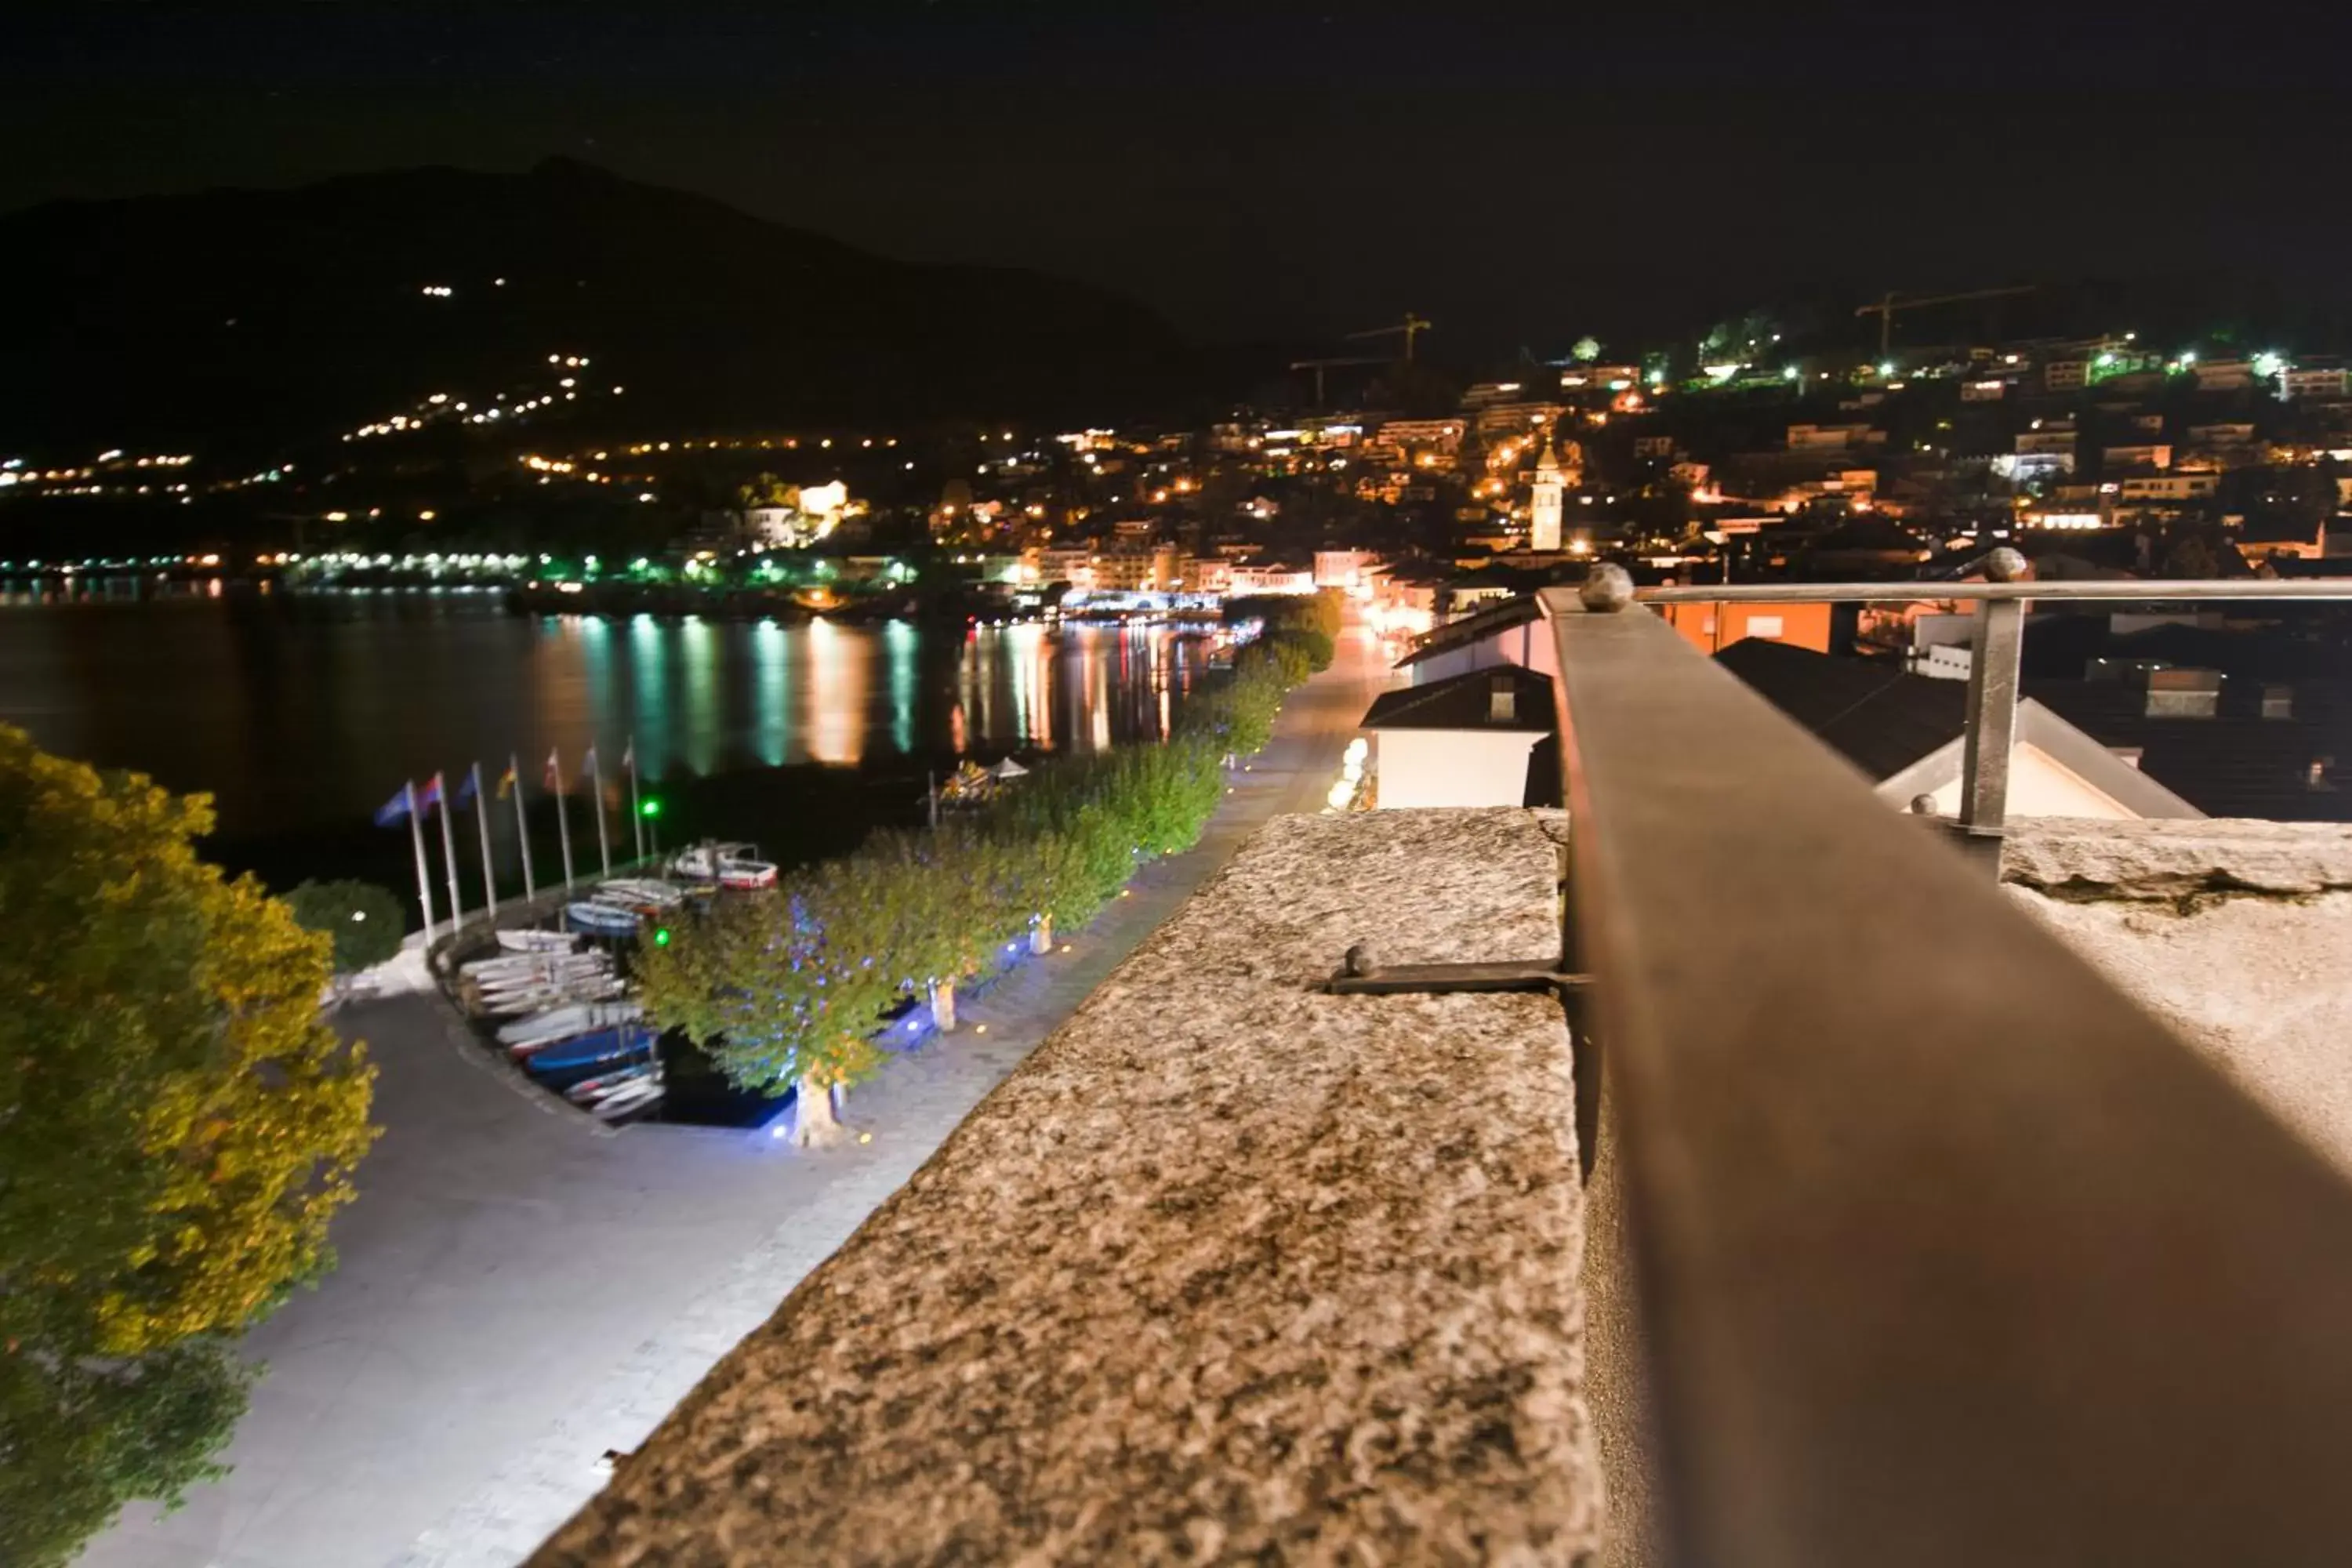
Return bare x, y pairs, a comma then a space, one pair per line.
736, 866
605, 1085
634, 1095
563, 1022
527, 964
642, 893
545, 983
538, 941
541, 999
524, 980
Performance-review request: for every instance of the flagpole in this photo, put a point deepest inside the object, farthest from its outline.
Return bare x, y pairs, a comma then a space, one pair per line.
562, 815
490, 873
637, 808
522, 825
423, 874
596, 801
449, 857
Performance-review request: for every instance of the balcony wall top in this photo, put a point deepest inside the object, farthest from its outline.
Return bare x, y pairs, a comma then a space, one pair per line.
1227, 1267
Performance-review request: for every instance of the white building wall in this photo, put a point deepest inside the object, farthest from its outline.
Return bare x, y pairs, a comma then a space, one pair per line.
2039, 786
1452, 767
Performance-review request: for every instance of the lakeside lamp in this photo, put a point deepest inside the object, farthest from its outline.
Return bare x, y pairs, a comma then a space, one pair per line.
651, 806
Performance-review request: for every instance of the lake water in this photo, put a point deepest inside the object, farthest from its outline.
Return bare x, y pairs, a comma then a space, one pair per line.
301, 715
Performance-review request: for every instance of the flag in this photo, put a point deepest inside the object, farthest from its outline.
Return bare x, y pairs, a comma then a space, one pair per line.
507, 780
554, 774
466, 787
629, 755
430, 794
392, 813
588, 762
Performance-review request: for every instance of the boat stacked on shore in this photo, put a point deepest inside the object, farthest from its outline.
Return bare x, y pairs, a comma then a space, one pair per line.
598, 1054
560, 1002
621, 906
515, 984
562, 1007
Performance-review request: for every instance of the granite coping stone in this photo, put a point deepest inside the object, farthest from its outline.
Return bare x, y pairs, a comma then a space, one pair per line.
2161, 858
1227, 1270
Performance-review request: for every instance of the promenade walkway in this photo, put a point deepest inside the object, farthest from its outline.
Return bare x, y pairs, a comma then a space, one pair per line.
520, 1289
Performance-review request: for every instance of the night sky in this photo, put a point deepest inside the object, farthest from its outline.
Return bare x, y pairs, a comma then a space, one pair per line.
1260, 171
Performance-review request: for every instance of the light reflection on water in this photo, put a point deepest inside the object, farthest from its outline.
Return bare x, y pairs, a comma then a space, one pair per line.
309, 713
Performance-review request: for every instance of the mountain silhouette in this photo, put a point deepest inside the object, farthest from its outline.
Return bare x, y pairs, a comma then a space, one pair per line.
260, 316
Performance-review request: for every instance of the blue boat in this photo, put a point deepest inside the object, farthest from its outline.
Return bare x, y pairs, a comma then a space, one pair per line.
586, 1053
603, 920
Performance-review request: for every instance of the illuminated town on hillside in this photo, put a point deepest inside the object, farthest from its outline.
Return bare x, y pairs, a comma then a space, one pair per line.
2094, 453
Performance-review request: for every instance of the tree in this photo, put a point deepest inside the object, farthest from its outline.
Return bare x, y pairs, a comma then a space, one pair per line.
1587, 349
361, 920
78, 1439
793, 990
2189, 554
782, 991
177, 1126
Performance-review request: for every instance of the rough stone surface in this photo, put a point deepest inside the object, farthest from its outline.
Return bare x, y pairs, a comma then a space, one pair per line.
1227, 1270
2172, 860
2236, 933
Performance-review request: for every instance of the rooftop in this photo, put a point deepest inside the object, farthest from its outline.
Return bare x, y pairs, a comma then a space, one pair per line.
1467, 702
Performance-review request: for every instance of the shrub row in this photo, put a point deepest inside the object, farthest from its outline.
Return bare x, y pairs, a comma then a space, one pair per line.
792, 987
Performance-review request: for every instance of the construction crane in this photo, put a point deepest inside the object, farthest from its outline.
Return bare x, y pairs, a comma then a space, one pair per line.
1411, 327
1887, 308
1319, 366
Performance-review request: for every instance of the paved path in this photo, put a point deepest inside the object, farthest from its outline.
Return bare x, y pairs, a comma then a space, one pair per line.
520, 1289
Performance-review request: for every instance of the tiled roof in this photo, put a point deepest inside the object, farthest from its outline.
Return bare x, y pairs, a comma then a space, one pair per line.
1467, 702
2236, 764
1870, 712
1502, 617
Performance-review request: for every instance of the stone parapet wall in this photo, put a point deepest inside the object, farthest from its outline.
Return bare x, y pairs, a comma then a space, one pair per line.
2237, 933
1228, 1268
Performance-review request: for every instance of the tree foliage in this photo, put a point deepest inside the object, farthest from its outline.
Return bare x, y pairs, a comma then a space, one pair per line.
361, 920
177, 1126
794, 988
79, 1439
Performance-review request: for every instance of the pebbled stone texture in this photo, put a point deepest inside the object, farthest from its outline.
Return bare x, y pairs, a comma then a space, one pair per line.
1227, 1270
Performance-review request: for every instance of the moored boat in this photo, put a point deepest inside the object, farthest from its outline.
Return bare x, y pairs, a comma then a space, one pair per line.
737, 866
642, 893
585, 1053
525, 975
638, 1094
539, 999
538, 941
600, 919
528, 1035
589, 1091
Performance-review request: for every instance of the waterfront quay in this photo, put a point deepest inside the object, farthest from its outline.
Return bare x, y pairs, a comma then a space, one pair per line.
520, 1289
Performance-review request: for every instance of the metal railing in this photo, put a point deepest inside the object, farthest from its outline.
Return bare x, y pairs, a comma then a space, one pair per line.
1944, 1253
1994, 651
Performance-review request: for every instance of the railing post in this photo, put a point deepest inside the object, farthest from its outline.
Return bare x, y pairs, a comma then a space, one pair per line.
1992, 703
